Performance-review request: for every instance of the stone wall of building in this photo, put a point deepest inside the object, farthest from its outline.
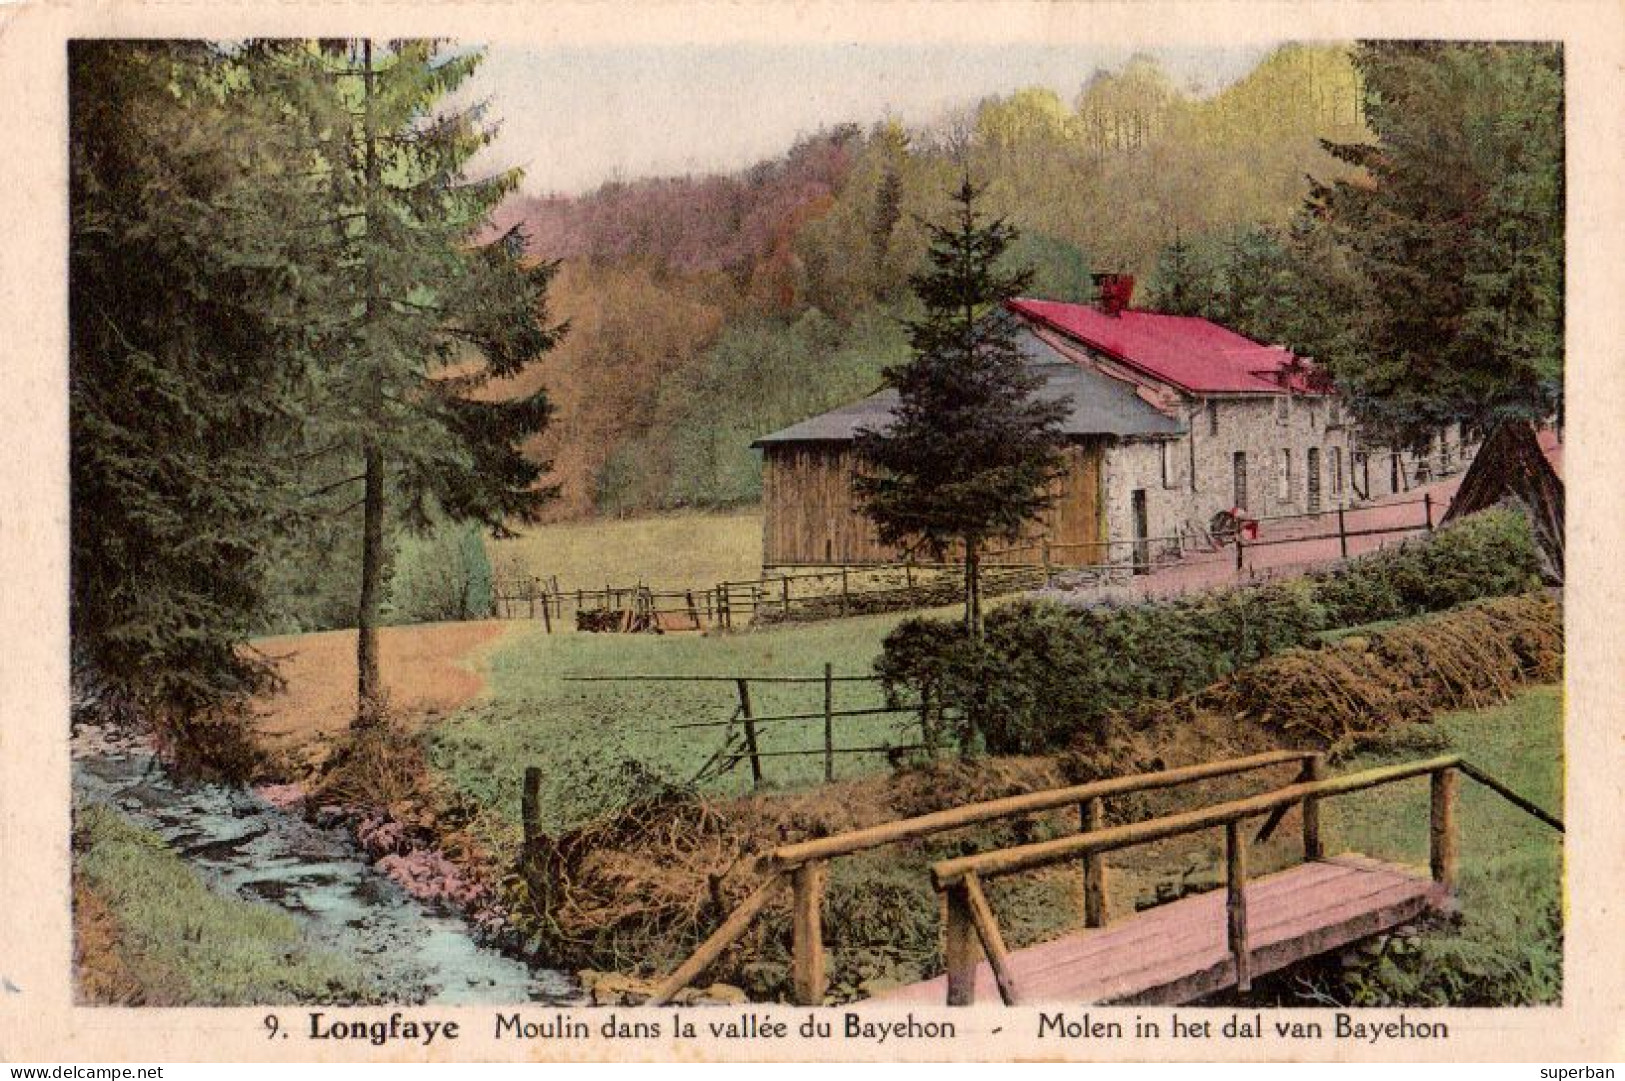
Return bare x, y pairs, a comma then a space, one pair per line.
1187, 480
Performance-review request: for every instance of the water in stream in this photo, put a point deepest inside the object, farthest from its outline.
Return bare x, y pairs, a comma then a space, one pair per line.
244, 846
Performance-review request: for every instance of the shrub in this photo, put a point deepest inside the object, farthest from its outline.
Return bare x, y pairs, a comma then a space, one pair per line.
441, 575
1490, 554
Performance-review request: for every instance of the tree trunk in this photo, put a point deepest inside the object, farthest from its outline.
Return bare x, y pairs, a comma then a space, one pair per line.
369, 696
369, 693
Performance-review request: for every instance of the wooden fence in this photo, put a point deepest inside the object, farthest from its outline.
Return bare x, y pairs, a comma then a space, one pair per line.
742, 730
816, 593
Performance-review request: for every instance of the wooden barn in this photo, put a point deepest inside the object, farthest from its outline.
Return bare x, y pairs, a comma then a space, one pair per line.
811, 517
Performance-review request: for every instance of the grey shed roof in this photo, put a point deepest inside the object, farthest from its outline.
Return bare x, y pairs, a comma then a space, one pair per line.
1100, 404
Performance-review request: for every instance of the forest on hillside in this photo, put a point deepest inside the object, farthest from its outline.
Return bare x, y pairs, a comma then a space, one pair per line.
708, 310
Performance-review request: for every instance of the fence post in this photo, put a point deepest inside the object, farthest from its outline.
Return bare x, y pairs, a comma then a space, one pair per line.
1442, 828
1342, 534
750, 733
547, 616
846, 593
1093, 815
1314, 769
1044, 554
829, 721
1427, 508
1238, 551
693, 609
908, 577
530, 803
1235, 850
784, 587
807, 945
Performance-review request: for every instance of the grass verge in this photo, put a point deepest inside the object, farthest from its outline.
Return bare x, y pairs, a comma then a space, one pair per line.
178, 943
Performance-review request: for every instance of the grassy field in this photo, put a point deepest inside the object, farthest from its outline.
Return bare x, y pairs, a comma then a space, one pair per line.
1508, 945
182, 943
580, 732
668, 551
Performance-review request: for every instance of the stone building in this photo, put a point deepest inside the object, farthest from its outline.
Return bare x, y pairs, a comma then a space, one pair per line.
1173, 419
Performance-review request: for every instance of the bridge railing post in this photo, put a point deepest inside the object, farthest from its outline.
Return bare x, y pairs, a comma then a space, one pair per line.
963, 949
1235, 850
1442, 841
1314, 769
808, 967
1092, 813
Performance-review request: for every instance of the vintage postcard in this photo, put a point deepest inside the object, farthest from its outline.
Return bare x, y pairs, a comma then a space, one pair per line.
851, 531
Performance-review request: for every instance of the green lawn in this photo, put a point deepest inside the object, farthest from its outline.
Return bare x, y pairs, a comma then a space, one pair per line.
1508, 945
668, 551
186, 944
580, 732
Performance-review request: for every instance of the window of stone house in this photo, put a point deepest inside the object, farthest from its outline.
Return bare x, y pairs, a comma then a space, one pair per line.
1168, 461
1286, 475
1337, 470
1334, 414
1283, 409
1212, 417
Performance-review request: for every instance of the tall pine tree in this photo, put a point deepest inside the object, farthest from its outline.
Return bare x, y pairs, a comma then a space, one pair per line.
421, 316
970, 451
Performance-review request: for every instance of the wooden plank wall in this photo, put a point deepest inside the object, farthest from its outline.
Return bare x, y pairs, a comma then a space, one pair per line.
810, 515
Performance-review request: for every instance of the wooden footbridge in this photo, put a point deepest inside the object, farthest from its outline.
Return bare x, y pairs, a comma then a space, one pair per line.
1173, 953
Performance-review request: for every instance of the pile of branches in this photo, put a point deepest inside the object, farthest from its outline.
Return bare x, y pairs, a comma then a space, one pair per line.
638, 889
1468, 658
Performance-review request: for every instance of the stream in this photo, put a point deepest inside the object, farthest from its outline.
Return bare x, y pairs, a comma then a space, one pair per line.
243, 846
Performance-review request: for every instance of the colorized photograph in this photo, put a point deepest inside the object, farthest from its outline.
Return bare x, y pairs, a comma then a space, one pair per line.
909, 524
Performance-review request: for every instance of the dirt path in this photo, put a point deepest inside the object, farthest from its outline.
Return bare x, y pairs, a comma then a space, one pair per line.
429, 671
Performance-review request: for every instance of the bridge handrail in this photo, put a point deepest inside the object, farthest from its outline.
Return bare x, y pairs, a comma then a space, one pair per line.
802, 865
973, 930
1004, 861
787, 857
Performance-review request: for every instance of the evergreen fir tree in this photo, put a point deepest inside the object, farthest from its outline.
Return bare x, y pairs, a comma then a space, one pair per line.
182, 366
970, 451
1182, 285
421, 319
1456, 238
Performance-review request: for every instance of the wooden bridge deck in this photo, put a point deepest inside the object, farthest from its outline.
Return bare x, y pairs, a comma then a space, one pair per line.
1178, 952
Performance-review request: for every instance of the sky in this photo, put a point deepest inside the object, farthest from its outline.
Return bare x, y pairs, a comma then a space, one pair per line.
575, 117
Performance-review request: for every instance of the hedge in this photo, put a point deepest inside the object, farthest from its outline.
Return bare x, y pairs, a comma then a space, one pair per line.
1045, 673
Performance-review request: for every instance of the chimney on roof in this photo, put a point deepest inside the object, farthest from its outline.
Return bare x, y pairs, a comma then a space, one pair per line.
1113, 292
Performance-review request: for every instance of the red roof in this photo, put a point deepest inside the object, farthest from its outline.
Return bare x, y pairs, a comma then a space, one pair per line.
1191, 353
